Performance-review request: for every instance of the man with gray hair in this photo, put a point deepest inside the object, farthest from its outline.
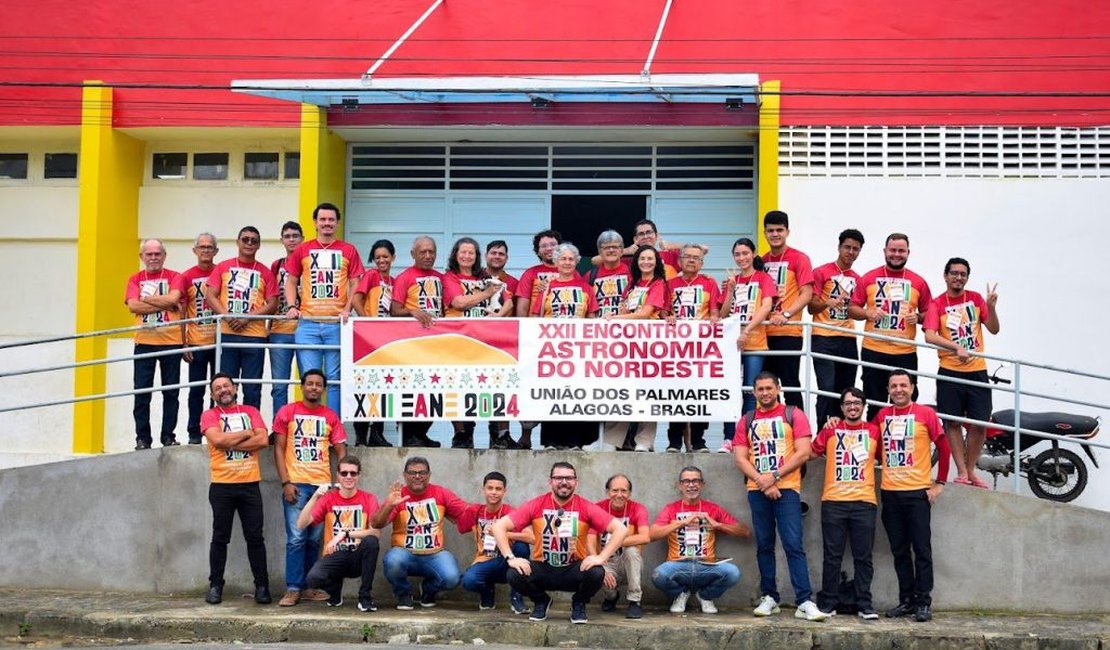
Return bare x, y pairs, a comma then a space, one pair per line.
611, 277
202, 363
154, 296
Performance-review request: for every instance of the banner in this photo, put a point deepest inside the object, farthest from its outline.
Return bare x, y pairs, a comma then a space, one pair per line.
540, 369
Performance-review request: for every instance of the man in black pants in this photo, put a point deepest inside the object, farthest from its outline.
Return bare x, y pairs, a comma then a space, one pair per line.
561, 521
792, 272
833, 285
235, 433
351, 549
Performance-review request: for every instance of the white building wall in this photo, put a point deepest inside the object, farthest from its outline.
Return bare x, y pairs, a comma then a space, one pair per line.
1041, 240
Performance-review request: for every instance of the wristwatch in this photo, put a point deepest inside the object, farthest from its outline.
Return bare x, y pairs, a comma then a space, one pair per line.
787, 314
775, 474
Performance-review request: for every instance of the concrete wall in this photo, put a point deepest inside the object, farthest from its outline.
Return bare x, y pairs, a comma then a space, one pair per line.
140, 522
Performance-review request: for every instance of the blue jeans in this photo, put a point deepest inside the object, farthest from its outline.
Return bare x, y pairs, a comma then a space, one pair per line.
313, 333
201, 368
302, 545
786, 513
245, 363
281, 367
753, 365
708, 581
482, 576
439, 570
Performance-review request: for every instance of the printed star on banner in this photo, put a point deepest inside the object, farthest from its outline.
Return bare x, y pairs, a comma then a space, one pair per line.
482, 378
514, 378
498, 377
465, 378
435, 378
389, 379
418, 379
405, 379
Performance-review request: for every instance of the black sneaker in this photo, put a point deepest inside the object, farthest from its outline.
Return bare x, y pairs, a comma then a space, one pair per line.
367, 605
609, 605
868, 614
142, 445
428, 599
516, 603
903, 609
578, 613
634, 610
405, 603
215, 595
262, 595
923, 614
539, 610
170, 442
335, 599
194, 441
486, 600
377, 439
503, 442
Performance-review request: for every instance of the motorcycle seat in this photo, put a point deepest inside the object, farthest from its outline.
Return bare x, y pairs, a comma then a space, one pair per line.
1061, 424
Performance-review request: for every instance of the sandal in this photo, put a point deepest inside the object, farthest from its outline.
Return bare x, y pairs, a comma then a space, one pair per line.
962, 481
980, 483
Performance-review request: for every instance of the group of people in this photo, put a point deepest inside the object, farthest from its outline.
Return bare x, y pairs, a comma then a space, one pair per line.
559, 541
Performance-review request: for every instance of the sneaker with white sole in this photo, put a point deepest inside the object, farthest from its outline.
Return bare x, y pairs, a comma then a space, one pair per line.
810, 612
868, 614
767, 606
639, 447
707, 606
679, 604
673, 450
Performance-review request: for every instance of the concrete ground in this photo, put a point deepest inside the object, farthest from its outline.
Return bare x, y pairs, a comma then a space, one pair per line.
45, 617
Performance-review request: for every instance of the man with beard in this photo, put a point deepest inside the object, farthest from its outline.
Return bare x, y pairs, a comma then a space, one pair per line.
535, 278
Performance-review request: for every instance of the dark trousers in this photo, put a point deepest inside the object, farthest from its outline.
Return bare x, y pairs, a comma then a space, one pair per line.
170, 368
786, 368
906, 518
201, 368
363, 429
545, 578
245, 363
875, 379
329, 571
226, 500
568, 434
833, 376
843, 522
676, 432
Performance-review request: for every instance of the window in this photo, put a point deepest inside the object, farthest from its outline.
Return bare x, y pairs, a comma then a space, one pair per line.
260, 166
292, 165
13, 165
169, 166
210, 166
60, 165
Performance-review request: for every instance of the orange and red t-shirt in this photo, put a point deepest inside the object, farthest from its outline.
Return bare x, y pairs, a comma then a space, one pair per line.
200, 332
476, 520
459, 284
633, 515
243, 289
339, 513
694, 299
231, 465
747, 294
420, 289
158, 328
310, 434
283, 325
830, 282
790, 271
560, 530
565, 299
895, 294
651, 291
528, 287
906, 455
850, 452
378, 291
960, 320
690, 542
418, 520
770, 441
609, 286
324, 273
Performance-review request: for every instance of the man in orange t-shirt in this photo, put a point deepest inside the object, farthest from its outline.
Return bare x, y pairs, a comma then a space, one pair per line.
792, 272
833, 286
283, 331
154, 296
235, 435
202, 363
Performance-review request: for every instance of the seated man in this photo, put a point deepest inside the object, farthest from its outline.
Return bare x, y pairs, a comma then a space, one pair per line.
560, 520
691, 525
351, 550
489, 567
417, 510
626, 564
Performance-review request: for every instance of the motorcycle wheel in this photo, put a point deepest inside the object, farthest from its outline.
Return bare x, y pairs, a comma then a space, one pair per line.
1057, 475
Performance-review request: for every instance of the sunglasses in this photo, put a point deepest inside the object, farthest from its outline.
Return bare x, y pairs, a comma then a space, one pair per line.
347, 474
250, 241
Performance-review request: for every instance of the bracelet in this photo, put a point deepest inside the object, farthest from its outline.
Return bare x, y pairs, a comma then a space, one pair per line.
939, 482
284, 483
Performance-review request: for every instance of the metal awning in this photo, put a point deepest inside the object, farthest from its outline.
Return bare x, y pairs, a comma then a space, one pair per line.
731, 90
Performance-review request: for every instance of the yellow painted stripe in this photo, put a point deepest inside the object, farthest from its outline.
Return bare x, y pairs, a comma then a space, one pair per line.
323, 166
768, 185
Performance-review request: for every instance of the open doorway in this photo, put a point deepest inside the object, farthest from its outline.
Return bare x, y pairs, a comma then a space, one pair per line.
582, 217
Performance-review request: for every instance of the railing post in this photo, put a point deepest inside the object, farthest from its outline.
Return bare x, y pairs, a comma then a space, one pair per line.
219, 341
1017, 428
807, 358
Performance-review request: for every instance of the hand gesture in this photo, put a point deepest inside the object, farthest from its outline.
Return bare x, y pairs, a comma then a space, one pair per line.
992, 295
395, 494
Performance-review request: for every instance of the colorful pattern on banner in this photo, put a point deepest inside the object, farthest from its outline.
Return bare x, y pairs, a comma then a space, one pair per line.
540, 369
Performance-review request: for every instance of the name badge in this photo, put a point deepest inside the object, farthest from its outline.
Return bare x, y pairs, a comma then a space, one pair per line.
896, 292
897, 429
489, 542
859, 452
565, 528
242, 281
692, 538
148, 289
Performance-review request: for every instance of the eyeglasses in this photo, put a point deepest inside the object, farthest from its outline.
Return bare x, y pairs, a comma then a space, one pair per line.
958, 274
691, 257
564, 479
205, 248
644, 233
691, 481
417, 474
347, 474
250, 241
853, 402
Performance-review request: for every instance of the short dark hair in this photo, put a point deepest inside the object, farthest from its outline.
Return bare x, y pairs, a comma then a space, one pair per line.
497, 243
956, 260
417, 460
221, 375
618, 475
350, 459
555, 234
646, 222
691, 468
494, 476
249, 229
564, 464
767, 374
291, 225
326, 206
382, 243
314, 371
899, 372
850, 233
854, 392
776, 218
897, 235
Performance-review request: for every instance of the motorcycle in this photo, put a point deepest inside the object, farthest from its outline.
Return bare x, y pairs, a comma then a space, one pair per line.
1054, 474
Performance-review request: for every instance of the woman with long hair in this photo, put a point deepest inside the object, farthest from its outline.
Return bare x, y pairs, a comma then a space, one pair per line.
371, 299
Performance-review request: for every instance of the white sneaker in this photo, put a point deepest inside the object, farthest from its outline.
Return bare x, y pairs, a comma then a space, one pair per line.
726, 447
642, 448
673, 450
707, 606
808, 610
679, 604
766, 607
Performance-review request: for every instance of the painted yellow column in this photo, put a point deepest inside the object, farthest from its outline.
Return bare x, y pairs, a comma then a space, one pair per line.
107, 253
767, 198
323, 166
